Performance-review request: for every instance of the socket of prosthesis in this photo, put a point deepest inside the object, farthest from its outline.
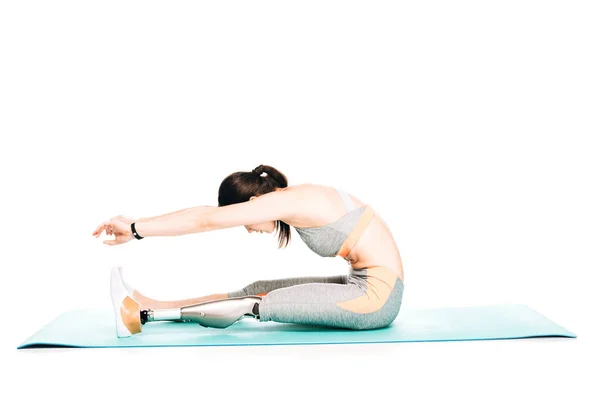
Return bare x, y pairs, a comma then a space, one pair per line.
211, 314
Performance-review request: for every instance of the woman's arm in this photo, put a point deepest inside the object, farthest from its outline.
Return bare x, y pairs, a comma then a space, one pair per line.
176, 223
160, 216
268, 207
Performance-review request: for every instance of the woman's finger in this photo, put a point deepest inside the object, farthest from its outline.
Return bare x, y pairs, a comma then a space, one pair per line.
101, 227
110, 242
98, 232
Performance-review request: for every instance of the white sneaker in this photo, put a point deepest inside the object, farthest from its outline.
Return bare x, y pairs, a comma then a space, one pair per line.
125, 285
127, 310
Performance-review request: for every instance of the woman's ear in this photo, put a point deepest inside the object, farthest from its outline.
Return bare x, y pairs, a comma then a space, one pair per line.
252, 198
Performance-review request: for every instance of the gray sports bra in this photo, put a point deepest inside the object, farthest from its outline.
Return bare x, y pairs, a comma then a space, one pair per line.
327, 240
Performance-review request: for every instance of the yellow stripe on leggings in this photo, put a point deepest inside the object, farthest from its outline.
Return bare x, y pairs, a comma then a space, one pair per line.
357, 231
380, 283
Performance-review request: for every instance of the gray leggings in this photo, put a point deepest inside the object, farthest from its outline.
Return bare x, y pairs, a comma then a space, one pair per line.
367, 298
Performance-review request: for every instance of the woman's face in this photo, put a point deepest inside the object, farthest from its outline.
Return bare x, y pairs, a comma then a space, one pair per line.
265, 227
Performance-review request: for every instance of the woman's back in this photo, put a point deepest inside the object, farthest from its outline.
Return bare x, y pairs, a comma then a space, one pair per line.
323, 207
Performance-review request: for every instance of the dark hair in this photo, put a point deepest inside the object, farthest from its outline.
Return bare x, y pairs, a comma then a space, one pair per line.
238, 187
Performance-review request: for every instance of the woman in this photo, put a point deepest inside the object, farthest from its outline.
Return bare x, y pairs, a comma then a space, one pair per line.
329, 220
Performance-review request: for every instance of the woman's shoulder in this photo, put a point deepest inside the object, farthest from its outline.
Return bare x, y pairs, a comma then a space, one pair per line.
314, 196
315, 191
309, 188
310, 192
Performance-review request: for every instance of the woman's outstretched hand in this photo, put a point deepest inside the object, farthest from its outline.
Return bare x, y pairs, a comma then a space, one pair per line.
119, 226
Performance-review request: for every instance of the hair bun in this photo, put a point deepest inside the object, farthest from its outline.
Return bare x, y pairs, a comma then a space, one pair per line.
258, 170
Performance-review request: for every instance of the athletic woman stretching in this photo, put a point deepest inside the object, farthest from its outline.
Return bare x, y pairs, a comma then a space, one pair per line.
329, 220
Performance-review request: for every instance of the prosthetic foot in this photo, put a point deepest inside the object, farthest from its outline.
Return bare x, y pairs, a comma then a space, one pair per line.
127, 310
214, 314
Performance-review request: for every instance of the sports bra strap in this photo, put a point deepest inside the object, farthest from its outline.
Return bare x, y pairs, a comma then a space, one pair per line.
347, 200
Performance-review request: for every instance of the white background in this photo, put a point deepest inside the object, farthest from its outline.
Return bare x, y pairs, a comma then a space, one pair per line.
469, 126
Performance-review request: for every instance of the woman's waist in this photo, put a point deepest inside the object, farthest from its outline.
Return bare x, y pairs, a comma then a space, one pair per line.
376, 271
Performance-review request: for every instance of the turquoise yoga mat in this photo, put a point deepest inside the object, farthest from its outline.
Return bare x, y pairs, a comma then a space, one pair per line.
95, 328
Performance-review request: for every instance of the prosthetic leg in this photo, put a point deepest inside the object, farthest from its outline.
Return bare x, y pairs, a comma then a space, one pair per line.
211, 314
